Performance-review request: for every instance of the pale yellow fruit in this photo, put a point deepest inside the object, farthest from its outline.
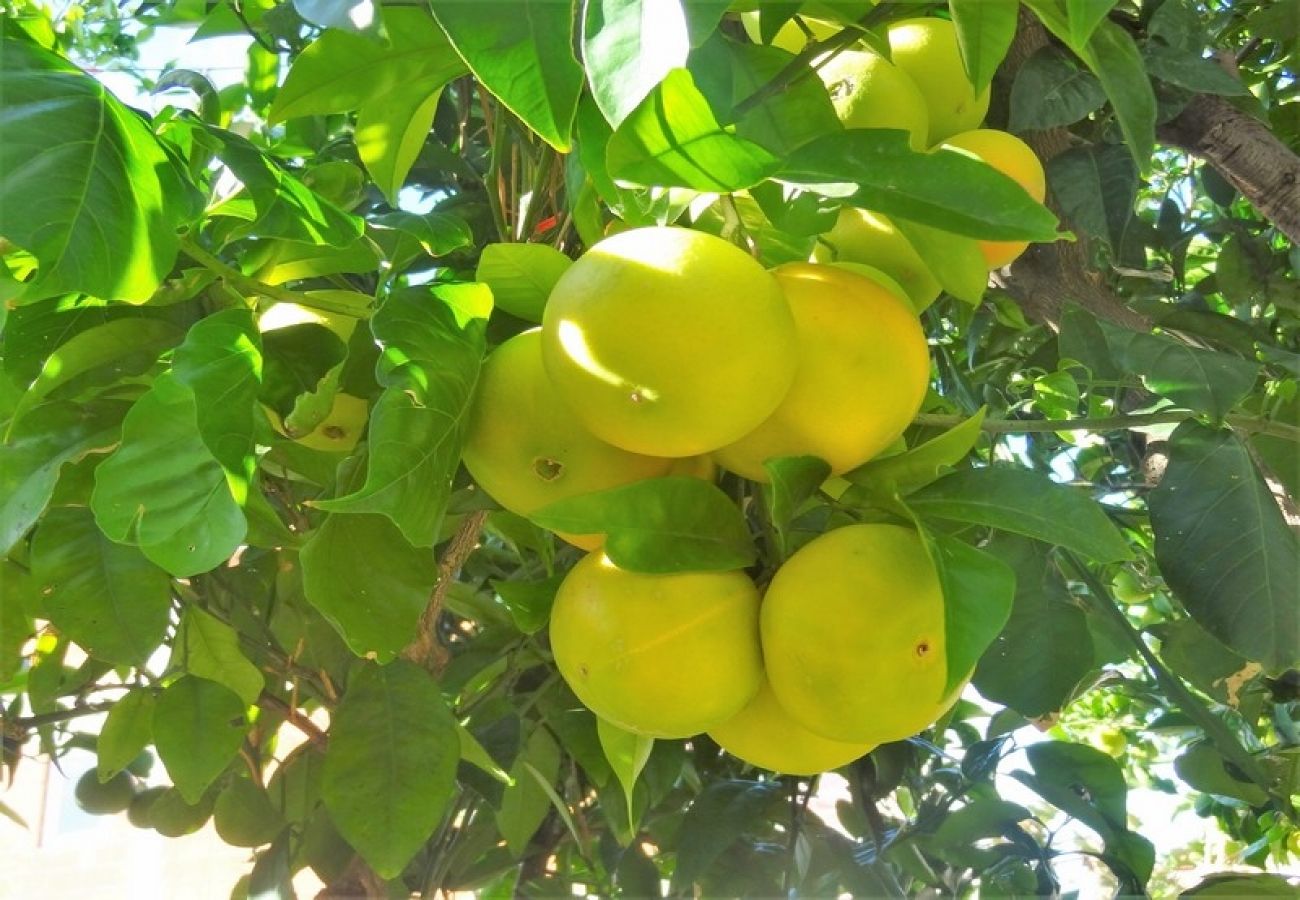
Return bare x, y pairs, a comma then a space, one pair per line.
853, 635
764, 735
338, 432
662, 655
927, 50
1012, 157
872, 240
527, 449
863, 372
870, 92
668, 341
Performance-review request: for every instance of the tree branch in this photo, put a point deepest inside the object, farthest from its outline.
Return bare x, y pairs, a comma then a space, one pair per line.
427, 650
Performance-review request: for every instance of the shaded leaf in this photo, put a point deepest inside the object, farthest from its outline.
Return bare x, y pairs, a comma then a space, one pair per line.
792, 480
627, 754
128, 729
978, 590
209, 648
525, 803
521, 276
914, 468
198, 726
1050, 90
720, 814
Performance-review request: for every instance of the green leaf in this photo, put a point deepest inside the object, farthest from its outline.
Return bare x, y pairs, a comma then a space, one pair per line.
1081, 781
529, 602
1208, 381
357, 16
16, 626
209, 648
1084, 17
116, 349
295, 260
627, 754
391, 131
198, 726
1196, 656
956, 262
672, 139
283, 206
985, 29
393, 747
978, 590
340, 71
877, 169
792, 480
525, 803
433, 341
1239, 884
1024, 502
784, 121
1224, 548
368, 581
1096, 187
702, 18
721, 813
162, 489
474, 753
905, 472
221, 363
673, 524
1050, 90
523, 54
436, 233
1203, 768
1189, 70
39, 447
128, 729
521, 276
1045, 649
69, 149
628, 46
107, 597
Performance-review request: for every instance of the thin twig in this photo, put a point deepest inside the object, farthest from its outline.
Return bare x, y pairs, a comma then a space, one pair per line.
427, 650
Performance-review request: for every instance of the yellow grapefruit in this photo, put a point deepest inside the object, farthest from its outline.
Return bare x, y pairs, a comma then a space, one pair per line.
870, 239
927, 50
1012, 157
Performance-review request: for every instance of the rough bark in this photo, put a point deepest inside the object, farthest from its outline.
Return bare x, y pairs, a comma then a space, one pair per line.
1246, 153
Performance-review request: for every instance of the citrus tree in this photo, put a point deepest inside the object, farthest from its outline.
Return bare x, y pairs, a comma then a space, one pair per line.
523, 446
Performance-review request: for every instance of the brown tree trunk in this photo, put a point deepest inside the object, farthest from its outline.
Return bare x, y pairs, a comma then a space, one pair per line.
1246, 153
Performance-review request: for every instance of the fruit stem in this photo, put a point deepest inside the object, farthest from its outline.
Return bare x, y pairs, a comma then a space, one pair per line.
1250, 424
1225, 741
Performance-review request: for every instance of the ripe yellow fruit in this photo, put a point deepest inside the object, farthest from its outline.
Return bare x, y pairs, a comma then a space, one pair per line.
789, 37
872, 240
764, 735
668, 341
870, 92
1012, 157
853, 635
927, 50
527, 449
662, 655
863, 372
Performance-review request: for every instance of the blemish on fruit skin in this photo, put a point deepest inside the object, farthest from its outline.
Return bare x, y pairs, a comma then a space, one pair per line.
548, 469
922, 649
333, 432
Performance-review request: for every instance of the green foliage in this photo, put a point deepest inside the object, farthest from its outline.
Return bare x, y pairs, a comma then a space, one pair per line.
193, 542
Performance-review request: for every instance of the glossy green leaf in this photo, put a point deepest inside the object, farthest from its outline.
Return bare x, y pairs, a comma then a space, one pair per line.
116, 349
673, 524
720, 814
1082, 781
1024, 502
16, 626
341, 71
1084, 16
105, 596
673, 139
109, 197
209, 648
391, 131
905, 472
702, 18
523, 54
1045, 649
435, 233
628, 46
978, 590
38, 448
198, 726
521, 276
627, 754
782, 122
295, 260
393, 746
128, 729
283, 207
792, 480
474, 753
985, 29
877, 170
525, 803
433, 341
1051, 90
1224, 548
163, 491
221, 363
1095, 187
529, 602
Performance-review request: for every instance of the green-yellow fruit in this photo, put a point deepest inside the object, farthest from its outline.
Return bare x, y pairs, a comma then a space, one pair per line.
789, 37
870, 92
342, 428
107, 798
764, 735
139, 812
668, 342
871, 239
171, 816
1014, 158
927, 50
853, 635
864, 369
527, 449
661, 655
244, 816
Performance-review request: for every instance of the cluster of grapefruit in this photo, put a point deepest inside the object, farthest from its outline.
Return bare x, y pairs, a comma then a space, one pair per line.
670, 352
